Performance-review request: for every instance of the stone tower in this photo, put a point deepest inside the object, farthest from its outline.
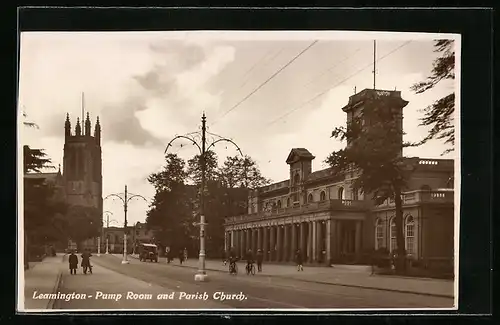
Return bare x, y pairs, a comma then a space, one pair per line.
82, 164
362, 106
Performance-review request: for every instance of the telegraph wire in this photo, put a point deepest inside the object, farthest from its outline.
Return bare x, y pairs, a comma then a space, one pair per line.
336, 85
268, 80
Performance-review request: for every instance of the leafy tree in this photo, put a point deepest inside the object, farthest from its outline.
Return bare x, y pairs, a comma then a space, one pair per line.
439, 115
171, 209
242, 172
82, 223
194, 167
374, 154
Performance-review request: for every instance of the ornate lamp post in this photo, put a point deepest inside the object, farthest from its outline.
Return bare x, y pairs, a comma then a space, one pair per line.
107, 227
202, 275
125, 199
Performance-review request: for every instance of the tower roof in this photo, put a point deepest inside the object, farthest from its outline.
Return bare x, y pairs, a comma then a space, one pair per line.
365, 94
297, 154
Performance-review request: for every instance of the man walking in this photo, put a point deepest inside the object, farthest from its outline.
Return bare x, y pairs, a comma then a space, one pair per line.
260, 257
73, 262
298, 260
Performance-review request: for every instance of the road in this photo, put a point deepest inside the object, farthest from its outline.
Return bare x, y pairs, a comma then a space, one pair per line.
178, 290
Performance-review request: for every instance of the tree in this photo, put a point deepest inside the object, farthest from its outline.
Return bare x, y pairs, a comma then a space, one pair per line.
34, 160
171, 209
194, 167
242, 172
374, 153
82, 222
439, 115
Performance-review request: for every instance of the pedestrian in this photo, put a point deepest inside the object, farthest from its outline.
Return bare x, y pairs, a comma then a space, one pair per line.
185, 253
86, 262
259, 257
181, 256
298, 260
73, 262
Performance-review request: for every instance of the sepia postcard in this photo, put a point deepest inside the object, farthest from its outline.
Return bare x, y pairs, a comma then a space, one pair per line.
232, 170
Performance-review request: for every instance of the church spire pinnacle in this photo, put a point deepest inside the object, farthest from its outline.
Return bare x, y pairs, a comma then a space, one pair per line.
97, 131
67, 126
78, 128
87, 125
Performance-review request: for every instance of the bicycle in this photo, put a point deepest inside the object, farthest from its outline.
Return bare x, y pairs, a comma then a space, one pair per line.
233, 268
250, 268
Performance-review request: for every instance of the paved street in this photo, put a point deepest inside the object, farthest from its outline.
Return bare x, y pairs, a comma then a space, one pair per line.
259, 291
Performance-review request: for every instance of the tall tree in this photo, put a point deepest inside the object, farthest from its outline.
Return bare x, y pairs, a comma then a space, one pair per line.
439, 115
194, 167
82, 223
373, 153
243, 172
34, 160
171, 209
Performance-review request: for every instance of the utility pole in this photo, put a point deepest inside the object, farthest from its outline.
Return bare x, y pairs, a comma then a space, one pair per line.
202, 274
125, 200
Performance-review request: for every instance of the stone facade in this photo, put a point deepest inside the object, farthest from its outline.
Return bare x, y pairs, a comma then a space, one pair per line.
321, 213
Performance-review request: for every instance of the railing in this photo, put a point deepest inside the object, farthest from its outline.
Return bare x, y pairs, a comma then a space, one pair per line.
302, 209
423, 196
275, 186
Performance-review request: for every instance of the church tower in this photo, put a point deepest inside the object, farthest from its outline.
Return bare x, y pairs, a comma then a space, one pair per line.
82, 164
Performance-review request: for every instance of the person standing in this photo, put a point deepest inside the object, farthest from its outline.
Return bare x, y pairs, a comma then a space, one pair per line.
259, 257
73, 262
298, 260
181, 256
86, 262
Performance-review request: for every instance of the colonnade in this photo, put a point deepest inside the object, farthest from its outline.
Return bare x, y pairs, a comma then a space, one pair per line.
320, 241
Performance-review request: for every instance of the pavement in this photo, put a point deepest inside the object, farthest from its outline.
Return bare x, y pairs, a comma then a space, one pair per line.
42, 277
340, 275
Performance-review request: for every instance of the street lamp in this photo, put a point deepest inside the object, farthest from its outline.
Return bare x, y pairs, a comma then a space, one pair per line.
202, 275
126, 199
107, 227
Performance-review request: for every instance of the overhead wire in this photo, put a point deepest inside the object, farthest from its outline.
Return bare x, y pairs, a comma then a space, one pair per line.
337, 84
266, 81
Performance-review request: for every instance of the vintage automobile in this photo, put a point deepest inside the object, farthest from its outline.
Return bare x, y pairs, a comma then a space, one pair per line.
148, 252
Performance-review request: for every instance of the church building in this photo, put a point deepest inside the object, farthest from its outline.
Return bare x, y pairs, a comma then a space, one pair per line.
331, 222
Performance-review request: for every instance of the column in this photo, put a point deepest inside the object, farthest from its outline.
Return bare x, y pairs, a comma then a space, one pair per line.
338, 241
242, 242
232, 238
272, 252
301, 238
328, 257
357, 239
293, 246
285, 243
225, 240
309, 241
247, 241
314, 241
319, 238
259, 238
265, 246
279, 242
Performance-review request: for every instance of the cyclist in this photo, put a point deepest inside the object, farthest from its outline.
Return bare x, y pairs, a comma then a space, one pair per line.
250, 260
232, 261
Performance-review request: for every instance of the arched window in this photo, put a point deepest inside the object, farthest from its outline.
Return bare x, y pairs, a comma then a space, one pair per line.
425, 188
310, 198
341, 193
379, 234
288, 202
322, 196
355, 196
394, 243
410, 235
279, 204
296, 178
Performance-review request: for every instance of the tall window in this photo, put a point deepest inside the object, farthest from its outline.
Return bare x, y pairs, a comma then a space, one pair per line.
288, 202
322, 196
296, 178
355, 194
394, 243
379, 234
279, 204
410, 235
310, 198
341, 193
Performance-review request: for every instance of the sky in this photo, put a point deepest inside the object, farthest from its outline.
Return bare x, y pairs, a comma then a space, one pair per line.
269, 92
